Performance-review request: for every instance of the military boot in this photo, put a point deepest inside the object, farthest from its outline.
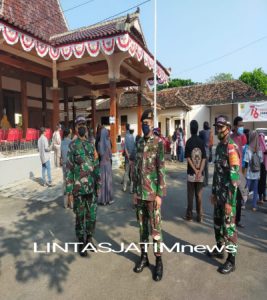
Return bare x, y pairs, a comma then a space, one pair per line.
228, 266
215, 252
144, 262
80, 248
158, 273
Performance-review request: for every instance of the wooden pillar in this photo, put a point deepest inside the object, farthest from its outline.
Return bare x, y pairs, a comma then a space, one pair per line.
93, 111
73, 114
44, 123
139, 112
1, 98
66, 107
55, 120
117, 118
24, 106
113, 114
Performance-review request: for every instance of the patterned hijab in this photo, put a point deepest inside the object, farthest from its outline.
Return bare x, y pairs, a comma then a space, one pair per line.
254, 141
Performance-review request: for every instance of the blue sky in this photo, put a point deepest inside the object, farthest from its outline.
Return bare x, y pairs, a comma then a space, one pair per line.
192, 32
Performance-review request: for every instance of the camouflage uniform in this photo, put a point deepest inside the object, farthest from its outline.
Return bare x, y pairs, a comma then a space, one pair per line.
83, 181
149, 182
226, 169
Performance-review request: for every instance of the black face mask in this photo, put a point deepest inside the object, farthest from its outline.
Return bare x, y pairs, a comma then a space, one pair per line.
145, 129
81, 131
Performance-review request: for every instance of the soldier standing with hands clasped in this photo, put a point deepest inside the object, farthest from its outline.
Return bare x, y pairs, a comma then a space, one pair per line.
82, 184
149, 187
224, 189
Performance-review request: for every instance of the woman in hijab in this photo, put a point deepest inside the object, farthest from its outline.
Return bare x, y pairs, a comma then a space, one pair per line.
105, 156
253, 159
262, 181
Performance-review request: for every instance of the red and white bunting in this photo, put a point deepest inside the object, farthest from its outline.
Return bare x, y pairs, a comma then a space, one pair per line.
123, 42
11, 36
93, 48
139, 53
54, 53
27, 42
108, 46
41, 49
66, 52
132, 48
78, 50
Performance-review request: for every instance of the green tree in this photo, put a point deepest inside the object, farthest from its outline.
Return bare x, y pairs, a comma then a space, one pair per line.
176, 82
220, 77
256, 79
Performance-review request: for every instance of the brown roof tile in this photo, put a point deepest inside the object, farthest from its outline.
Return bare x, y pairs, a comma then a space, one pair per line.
42, 18
127, 101
99, 30
212, 93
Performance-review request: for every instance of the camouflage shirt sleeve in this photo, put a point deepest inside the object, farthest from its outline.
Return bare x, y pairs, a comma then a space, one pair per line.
161, 188
234, 161
70, 170
96, 172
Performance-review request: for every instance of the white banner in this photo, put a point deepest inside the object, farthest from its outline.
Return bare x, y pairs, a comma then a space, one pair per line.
253, 111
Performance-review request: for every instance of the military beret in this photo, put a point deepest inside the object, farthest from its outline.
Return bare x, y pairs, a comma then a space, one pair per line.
147, 114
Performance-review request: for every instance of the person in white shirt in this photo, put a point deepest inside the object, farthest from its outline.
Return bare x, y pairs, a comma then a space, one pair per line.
44, 151
56, 142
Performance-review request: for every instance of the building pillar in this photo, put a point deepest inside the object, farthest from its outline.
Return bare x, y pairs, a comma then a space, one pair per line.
73, 114
55, 96
66, 107
112, 113
139, 113
117, 118
24, 106
44, 123
93, 110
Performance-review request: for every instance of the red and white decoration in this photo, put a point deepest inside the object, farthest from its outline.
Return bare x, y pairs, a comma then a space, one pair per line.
107, 45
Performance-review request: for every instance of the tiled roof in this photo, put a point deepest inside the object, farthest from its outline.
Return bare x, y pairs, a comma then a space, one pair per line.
126, 101
167, 99
41, 18
212, 93
100, 30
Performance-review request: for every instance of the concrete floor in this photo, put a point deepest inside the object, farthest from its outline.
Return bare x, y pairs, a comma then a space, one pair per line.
28, 275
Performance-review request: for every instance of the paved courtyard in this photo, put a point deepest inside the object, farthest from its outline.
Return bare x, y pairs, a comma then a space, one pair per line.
30, 213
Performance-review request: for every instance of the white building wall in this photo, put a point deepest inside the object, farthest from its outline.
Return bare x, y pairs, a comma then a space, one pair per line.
200, 113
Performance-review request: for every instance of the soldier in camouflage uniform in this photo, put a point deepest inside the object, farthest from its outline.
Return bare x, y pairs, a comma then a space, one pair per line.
224, 189
149, 187
82, 184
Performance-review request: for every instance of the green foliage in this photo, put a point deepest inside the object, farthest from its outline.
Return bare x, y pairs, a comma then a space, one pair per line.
220, 77
256, 79
176, 82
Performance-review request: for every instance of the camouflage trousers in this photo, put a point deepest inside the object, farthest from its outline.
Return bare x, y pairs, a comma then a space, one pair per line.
85, 208
148, 216
225, 227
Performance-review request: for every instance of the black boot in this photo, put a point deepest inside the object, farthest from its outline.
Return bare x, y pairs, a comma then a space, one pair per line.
158, 269
228, 266
80, 248
144, 262
216, 253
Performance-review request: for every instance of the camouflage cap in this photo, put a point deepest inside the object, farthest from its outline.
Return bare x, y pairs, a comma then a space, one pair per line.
80, 119
147, 114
